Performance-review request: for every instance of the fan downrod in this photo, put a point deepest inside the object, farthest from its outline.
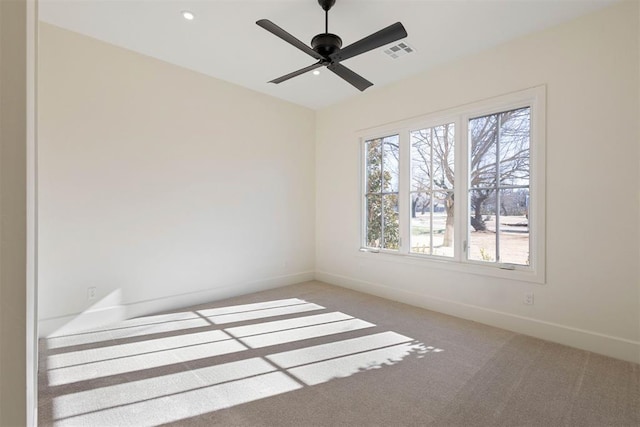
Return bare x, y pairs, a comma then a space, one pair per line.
327, 43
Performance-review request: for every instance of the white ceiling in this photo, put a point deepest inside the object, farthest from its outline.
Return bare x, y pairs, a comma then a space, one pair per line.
223, 40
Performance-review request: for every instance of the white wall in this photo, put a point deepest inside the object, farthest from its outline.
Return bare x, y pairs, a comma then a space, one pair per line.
143, 192
591, 298
162, 187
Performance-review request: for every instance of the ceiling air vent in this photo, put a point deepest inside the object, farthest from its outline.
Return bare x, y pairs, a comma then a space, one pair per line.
398, 50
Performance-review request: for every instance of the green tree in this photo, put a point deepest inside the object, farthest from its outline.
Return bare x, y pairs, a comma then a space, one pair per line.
383, 229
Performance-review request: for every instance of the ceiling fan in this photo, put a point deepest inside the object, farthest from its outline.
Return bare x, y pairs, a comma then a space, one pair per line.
327, 48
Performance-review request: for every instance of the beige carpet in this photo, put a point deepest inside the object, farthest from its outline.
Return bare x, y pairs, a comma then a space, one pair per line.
314, 354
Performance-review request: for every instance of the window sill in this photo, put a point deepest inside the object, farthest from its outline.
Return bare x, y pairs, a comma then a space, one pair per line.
507, 271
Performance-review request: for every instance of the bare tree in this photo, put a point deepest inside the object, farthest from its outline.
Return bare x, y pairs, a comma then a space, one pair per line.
499, 155
433, 171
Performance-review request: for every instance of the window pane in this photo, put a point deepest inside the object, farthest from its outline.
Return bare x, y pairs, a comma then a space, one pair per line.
482, 232
390, 221
391, 164
432, 234
443, 216
514, 147
374, 165
432, 158
420, 160
374, 221
514, 226
421, 223
432, 170
483, 133
442, 142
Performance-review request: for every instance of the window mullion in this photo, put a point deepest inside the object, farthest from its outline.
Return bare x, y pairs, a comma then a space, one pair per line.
431, 201
404, 196
497, 187
363, 199
383, 243
461, 188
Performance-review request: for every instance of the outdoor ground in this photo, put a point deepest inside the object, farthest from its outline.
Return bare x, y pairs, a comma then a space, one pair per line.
513, 241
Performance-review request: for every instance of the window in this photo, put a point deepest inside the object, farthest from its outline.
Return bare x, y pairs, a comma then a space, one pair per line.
432, 180
499, 187
381, 194
465, 187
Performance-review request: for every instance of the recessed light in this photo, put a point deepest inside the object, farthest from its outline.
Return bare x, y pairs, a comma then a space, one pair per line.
188, 15
316, 72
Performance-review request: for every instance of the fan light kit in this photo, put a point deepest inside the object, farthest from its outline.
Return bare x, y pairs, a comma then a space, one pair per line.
327, 48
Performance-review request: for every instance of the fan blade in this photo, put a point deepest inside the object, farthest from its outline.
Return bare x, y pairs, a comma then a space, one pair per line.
385, 36
277, 31
355, 79
297, 73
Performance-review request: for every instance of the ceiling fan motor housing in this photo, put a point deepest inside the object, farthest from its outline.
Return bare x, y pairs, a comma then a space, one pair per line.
326, 4
326, 43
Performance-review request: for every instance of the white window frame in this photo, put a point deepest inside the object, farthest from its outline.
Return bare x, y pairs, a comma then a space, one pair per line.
535, 98
382, 193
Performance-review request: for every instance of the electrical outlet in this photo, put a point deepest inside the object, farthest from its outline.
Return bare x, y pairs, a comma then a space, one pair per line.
91, 293
528, 298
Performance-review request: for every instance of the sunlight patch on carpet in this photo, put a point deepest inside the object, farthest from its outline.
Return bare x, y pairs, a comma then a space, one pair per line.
148, 379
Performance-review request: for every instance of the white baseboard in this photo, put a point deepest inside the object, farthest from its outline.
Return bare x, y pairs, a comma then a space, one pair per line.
619, 348
93, 318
